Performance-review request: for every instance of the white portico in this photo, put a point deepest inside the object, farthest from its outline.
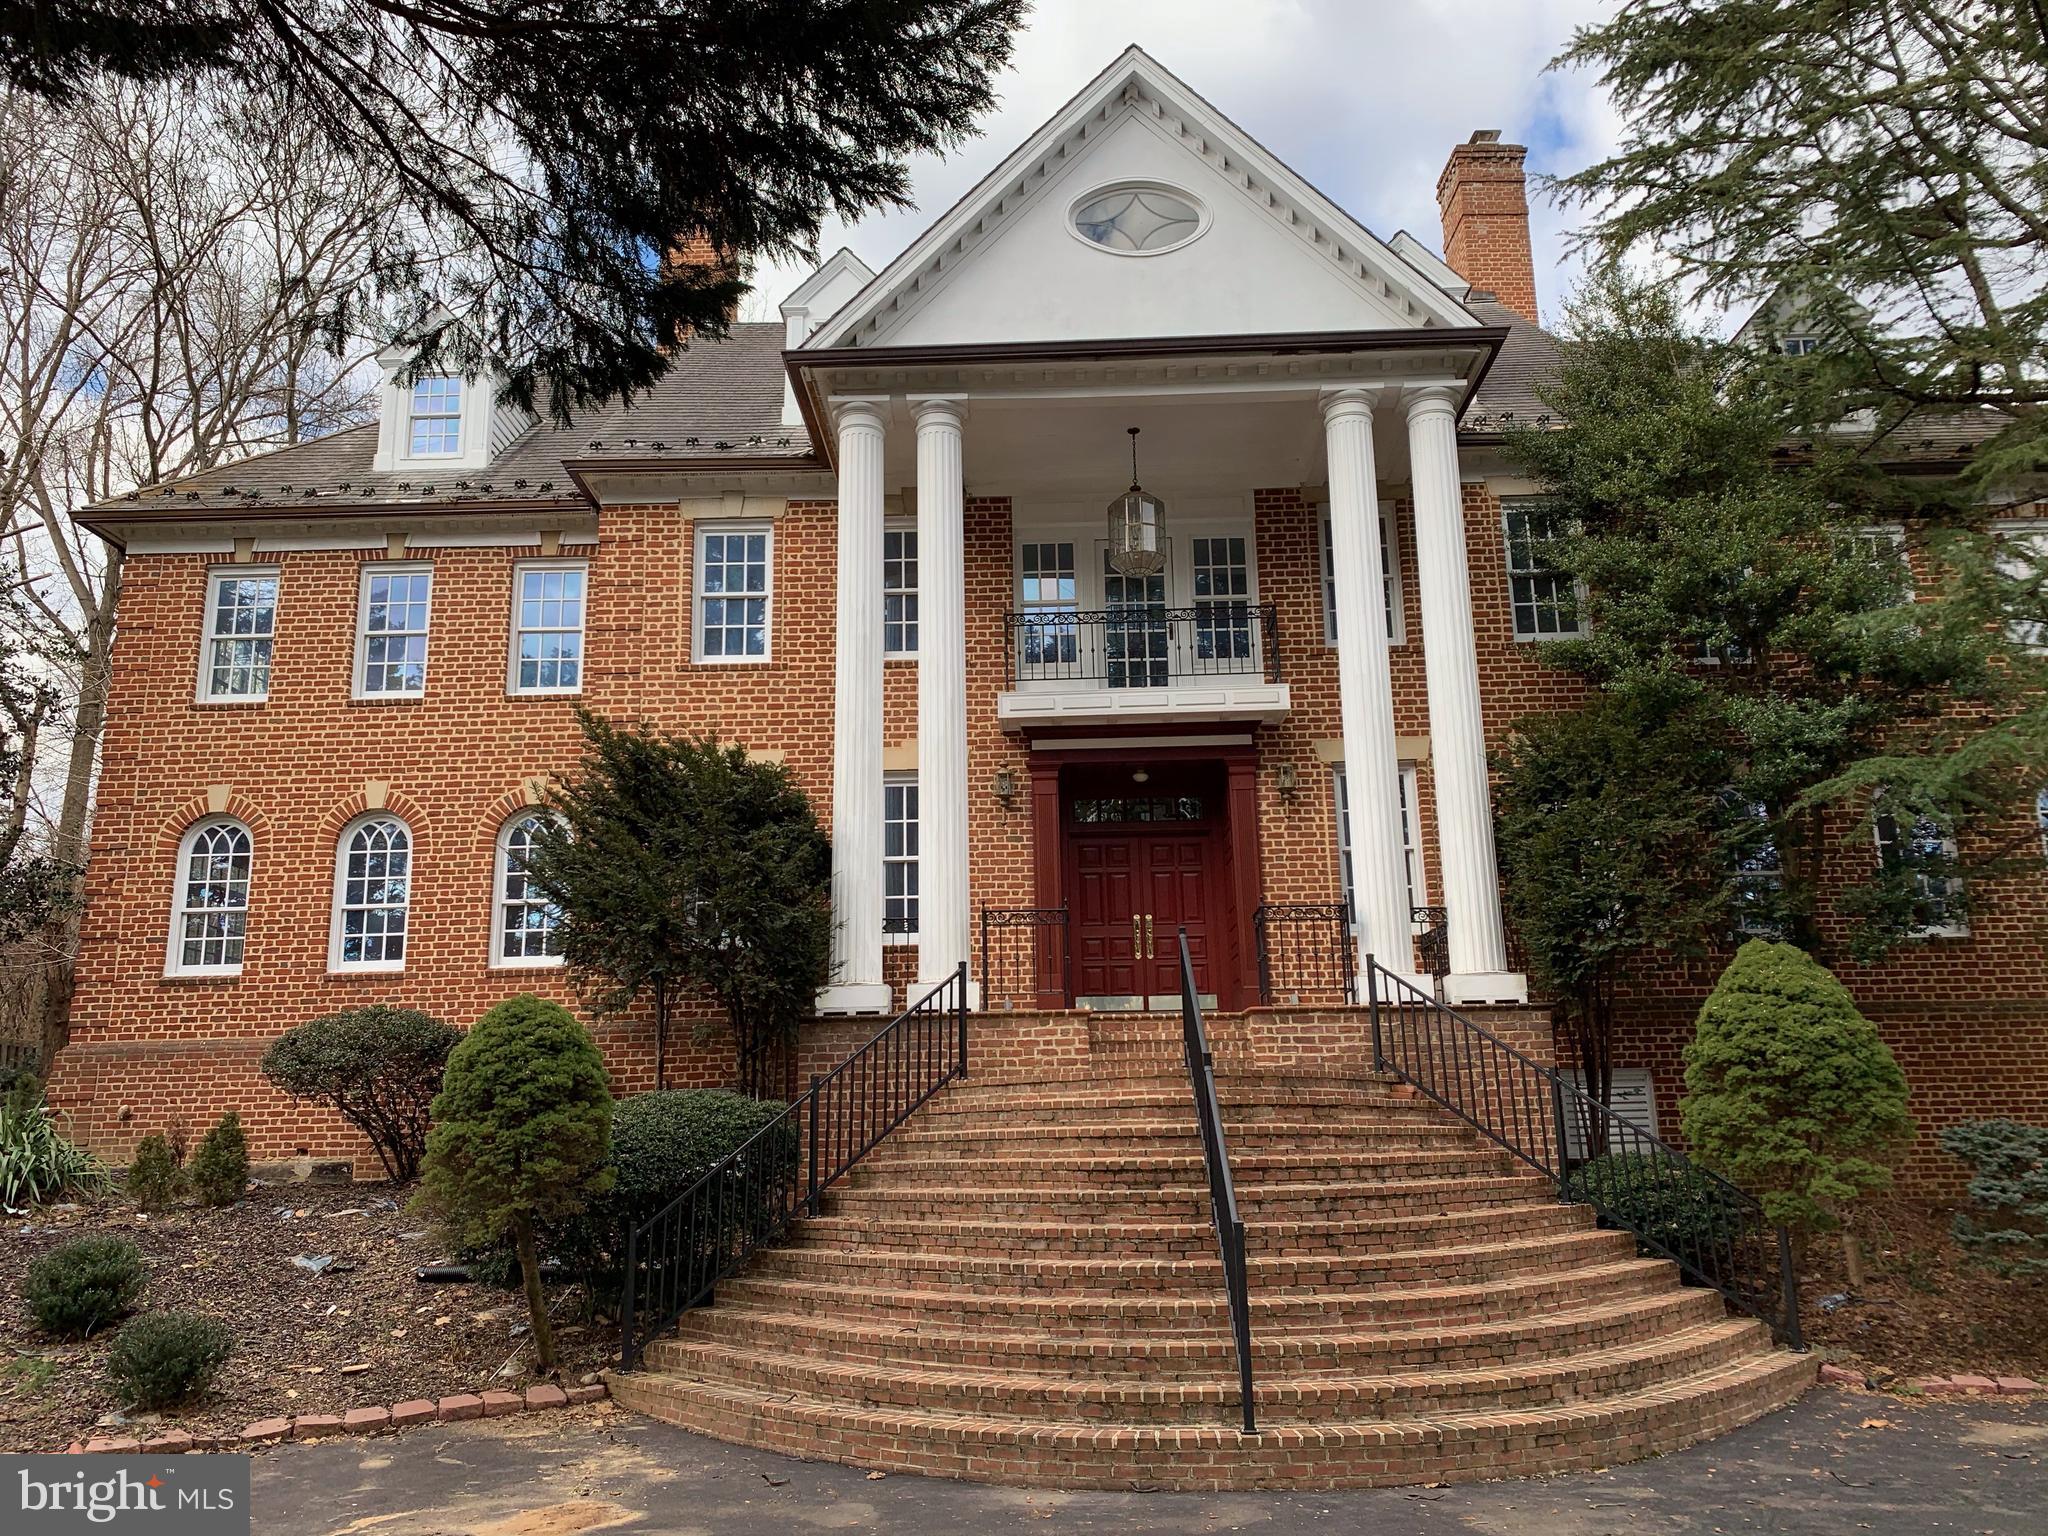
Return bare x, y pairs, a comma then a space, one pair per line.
1140, 263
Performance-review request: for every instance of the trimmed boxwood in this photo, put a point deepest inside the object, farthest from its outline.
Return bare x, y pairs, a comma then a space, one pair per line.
167, 1357
75, 1290
1673, 1208
377, 1067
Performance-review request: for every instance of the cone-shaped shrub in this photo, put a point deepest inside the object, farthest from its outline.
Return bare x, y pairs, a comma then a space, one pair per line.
1789, 1091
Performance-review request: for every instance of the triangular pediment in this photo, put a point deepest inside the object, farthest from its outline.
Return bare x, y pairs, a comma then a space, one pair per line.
1269, 255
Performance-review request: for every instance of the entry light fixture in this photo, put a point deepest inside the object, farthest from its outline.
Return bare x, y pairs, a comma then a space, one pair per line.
1284, 780
1005, 787
1137, 535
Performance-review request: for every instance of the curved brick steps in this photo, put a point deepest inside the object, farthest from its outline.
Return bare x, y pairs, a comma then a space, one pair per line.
1023, 1286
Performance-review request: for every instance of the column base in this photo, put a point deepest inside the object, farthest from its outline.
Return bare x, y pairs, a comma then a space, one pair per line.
857, 997
1486, 987
973, 990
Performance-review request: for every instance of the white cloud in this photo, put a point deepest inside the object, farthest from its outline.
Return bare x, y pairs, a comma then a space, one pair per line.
1363, 97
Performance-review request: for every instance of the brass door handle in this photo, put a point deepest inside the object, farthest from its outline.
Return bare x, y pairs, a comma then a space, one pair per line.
1137, 935
1151, 943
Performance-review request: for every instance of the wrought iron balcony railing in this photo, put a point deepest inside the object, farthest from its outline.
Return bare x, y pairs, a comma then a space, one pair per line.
1142, 646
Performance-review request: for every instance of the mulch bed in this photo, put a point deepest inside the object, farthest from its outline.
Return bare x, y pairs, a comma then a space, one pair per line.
1924, 1309
364, 1332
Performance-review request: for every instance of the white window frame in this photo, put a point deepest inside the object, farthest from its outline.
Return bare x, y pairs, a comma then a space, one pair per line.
1799, 346
1893, 534
1956, 928
174, 962
2030, 536
414, 415
1396, 591
704, 531
1525, 505
335, 962
903, 527
362, 663
209, 637
520, 571
903, 780
1411, 839
2041, 821
501, 873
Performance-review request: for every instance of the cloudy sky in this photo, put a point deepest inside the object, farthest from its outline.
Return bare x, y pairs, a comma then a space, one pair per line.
1362, 97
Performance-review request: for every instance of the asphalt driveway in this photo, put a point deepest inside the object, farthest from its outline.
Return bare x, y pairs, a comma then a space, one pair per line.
1838, 1462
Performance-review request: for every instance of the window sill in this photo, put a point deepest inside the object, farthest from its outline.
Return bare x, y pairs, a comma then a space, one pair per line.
364, 973
380, 700
731, 661
251, 703
543, 693
553, 963
201, 978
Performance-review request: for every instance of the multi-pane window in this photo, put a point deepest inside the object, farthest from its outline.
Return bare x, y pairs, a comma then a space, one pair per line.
1390, 579
1544, 599
1048, 595
1411, 854
436, 418
547, 629
1800, 346
1928, 851
899, 591
899, 855
211, 920
2041, 820
2022, 568
732, 593
526, 919
1135, 634
241, 626
1222, 595
391, 641
1884, 548
1759, 875
372, 894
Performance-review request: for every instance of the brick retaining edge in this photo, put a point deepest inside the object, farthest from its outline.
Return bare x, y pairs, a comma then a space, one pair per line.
1942, 1386
354, 1421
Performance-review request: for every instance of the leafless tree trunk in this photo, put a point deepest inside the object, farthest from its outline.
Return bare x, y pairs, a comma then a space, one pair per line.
172, 270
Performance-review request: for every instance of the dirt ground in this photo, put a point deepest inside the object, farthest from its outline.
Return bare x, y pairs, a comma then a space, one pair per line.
1924, 1308
362, 1331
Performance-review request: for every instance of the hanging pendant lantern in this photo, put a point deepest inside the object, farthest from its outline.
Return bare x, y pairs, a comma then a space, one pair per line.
1137, 527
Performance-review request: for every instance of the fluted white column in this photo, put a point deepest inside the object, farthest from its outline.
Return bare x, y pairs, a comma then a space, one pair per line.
1372, 768
1457, 732
856, 984
944, 923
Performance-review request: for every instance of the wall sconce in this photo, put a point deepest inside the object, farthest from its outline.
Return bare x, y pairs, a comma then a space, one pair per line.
1005, 787
1284, 780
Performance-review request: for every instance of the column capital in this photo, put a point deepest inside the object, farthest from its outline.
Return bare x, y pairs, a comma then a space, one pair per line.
1348, 400
1424, 400
854, 412
938, 408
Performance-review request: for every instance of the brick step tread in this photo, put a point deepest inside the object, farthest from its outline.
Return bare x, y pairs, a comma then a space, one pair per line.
1282, 1355
1439, 1194
1056, 1165
1585, 1377
970, 1097
1466, 1447
1445, 1303
1107, 1083
1024, 1234
1269, 1274
1175, 1132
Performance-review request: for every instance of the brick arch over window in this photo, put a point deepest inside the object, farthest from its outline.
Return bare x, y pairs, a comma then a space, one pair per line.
491, 824
396, 804
170, 835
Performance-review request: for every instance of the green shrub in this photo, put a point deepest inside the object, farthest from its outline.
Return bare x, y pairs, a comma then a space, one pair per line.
377, 1067
1790, 1094
167, 1357
1675, 1209
37, 1164
75, 1290
220, 1168
154, 1179
520, 1139
2009, 1185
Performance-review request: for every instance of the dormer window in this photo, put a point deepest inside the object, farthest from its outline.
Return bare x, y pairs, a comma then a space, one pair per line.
436, 416
1800, 346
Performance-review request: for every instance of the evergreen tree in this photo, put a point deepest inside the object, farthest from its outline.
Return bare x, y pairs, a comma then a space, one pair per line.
1617, 844
522, 1132
679, 866
1717, 567
550, 158
1789, 1091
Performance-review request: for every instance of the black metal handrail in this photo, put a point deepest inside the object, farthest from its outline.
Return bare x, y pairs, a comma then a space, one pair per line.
1143, 645
1305, 951
1024, 957
748, 1198
1222, 1191
1717, 1234
1432, 941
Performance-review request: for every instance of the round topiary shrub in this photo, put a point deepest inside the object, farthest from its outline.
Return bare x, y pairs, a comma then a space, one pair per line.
220, 1168
75, 1290
662, 1143
377, 1067
167, 1357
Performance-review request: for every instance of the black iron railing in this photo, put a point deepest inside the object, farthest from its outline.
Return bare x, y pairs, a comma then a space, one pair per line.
1717, 1234
1024, 957
748, 1199
1142, 646
1432, 941
1222, 1191
1306, 952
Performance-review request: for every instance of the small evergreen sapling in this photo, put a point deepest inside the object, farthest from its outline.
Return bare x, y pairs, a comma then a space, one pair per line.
521, 1134
2009, 1186
220, 1168
1790, 1093
75, 1290
154, 1178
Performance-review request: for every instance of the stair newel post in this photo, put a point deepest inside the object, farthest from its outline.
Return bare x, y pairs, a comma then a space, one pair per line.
626, 1299
1788, 1301
811, 1194
960, 1003
1372, 993
1563, 1138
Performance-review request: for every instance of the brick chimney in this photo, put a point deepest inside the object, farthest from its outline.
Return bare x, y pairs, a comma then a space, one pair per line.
1485, 204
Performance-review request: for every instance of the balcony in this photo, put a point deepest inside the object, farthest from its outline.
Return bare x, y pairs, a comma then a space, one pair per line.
1145, 664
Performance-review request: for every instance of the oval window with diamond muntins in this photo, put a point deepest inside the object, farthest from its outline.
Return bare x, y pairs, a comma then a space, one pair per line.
1138, 218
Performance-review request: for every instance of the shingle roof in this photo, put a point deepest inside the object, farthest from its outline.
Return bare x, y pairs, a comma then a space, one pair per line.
1508, 391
